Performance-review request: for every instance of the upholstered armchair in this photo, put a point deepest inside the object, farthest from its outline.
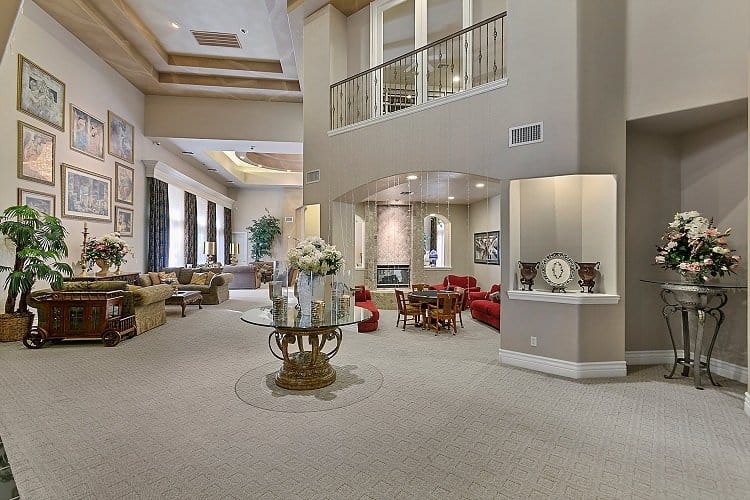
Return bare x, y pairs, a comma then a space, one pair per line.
468, 283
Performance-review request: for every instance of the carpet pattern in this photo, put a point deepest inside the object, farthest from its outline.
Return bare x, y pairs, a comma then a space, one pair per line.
157, 417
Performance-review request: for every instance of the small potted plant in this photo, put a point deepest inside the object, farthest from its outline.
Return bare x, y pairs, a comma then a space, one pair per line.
262, 233
38, 239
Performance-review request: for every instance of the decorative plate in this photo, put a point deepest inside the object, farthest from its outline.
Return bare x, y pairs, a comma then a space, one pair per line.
557, 270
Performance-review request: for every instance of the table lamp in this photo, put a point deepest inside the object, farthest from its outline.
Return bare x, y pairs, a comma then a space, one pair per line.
234, 251
209, 248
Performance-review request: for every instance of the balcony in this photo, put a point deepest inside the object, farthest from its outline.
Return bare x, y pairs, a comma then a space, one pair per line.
472, 58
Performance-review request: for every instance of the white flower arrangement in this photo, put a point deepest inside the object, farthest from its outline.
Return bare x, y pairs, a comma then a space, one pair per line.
316, 256
694, 247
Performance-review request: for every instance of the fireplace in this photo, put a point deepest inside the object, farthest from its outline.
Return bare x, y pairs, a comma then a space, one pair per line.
395, 276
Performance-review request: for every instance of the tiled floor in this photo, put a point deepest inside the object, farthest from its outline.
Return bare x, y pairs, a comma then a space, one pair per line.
8, 490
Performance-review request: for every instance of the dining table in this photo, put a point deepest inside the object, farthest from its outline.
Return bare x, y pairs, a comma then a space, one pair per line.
425, 298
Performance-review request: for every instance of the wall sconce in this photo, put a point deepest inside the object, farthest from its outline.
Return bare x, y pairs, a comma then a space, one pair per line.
209, 248
234, 251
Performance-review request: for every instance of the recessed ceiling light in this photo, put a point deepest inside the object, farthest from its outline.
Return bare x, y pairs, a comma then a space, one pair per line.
157, 143
451, 197
412, 177
396, 201
480, 185
230, 182
287, 171
213, 169
456, 79
174, 25
188, 153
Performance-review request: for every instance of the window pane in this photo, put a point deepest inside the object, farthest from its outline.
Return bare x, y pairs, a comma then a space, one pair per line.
176, 226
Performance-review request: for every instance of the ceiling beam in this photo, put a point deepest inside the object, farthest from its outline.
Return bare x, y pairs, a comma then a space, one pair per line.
229, 81
263, 66
347, 7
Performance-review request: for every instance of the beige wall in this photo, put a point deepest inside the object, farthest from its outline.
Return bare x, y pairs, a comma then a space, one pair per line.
212, 118
251, 203
685, 54
714, 182
485, 216
711, 164
358, 41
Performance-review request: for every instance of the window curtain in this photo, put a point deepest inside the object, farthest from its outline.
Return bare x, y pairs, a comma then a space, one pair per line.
191, 229
227, 233
158, 229
211, 225
176, 226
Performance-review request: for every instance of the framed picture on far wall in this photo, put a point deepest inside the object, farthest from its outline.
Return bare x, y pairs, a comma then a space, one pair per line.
86, 133
40, 94
124, 179
124, 221
487, 248
36, 154
41, 202
85, 195
121, 138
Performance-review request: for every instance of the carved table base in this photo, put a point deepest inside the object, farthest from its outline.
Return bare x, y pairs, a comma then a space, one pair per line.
305, 369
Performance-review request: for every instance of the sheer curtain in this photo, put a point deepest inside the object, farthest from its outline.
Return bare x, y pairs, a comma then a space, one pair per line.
176, 226
202, 211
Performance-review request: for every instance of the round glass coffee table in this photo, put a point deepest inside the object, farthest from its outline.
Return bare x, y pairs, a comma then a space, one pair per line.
305, 369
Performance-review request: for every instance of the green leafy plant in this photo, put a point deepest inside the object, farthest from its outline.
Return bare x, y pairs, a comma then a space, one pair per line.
262, 232
38, 238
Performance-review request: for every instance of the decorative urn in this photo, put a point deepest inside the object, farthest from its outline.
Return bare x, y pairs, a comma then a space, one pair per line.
587, 271
528, 273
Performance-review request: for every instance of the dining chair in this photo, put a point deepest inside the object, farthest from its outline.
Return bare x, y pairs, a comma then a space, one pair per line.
407, 309
460, 303
444, 310
418, 287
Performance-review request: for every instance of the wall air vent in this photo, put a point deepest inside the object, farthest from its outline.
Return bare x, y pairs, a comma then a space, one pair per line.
526, 134
216, 39
312, 176
288, 219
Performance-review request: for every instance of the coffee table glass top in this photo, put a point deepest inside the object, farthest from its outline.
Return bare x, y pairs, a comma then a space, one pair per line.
262, 316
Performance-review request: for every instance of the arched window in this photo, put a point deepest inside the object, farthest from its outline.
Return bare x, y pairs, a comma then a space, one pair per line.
437, 241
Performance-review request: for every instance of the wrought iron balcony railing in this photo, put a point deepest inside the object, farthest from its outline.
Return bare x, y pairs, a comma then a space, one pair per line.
464, 60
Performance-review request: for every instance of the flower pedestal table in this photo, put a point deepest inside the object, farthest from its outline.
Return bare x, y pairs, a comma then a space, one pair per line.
305, 369
697, 300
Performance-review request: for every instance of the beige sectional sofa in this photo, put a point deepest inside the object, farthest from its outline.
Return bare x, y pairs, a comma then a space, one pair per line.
216, 292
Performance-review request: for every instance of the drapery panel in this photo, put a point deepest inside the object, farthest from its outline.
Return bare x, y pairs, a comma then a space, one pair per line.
158, 227
191, 229
211, 225
227, 233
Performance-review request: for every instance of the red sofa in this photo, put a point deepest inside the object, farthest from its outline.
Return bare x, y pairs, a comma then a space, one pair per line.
484, 308
468, 283
362, 298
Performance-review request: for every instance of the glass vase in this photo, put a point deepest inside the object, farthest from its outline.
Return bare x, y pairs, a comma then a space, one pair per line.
310, 286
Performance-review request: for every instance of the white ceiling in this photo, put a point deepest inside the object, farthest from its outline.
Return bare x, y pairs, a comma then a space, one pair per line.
429, 187
227, 16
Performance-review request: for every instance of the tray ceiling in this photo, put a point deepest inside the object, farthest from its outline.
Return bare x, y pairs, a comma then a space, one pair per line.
152, 45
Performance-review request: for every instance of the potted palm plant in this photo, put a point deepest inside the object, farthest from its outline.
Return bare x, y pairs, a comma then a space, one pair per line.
38, 239
262, 232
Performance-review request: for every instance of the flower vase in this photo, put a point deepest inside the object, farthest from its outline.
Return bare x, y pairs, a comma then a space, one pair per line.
103, 266
307, 285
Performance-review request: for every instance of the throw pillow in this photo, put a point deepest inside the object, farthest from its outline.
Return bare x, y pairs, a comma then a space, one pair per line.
359, 294
155, 280
199, 279
495, 297
166, 276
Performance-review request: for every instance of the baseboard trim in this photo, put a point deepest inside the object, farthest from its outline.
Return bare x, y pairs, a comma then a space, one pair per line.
562, 367
747, 404
666, 357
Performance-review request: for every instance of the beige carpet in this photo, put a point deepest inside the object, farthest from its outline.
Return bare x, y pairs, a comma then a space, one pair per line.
158, 417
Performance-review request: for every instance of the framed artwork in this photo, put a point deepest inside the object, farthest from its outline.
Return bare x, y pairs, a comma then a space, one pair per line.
124, 221
487, 248
124, 179
85, 195
121, 138
86, 133
36, 154
40, 94
41, 202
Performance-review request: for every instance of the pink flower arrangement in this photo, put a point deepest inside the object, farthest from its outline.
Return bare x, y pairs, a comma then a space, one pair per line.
695, 247
109, 247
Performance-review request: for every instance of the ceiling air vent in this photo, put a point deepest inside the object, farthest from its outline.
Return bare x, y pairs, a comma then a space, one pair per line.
526, 134
312, 176
216, 39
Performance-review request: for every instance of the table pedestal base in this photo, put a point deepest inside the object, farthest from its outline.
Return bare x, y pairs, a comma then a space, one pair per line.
305, 370
300, 374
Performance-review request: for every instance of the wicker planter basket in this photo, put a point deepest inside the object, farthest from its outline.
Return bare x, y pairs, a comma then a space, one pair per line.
14, 326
